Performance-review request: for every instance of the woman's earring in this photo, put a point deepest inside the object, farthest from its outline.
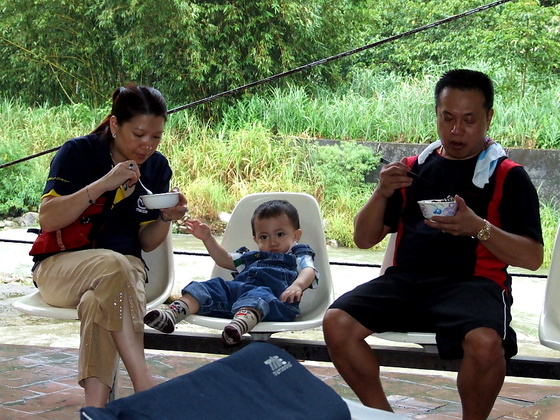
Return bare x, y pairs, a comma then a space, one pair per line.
114, 136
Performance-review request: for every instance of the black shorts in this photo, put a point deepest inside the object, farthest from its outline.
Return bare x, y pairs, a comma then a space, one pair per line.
450, 307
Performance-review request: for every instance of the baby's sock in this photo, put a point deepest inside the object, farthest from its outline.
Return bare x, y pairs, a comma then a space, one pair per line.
180, 310
164, 320
244, 321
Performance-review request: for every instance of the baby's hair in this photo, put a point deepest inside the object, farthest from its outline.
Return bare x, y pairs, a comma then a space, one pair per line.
275, 208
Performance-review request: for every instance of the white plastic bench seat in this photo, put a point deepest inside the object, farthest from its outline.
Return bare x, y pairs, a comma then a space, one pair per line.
424, 339
358, 411
238, 233
158, 288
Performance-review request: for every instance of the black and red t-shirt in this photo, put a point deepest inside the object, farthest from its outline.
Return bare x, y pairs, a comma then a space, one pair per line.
509, 201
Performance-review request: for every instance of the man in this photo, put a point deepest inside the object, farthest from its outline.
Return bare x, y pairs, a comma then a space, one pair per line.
450, 272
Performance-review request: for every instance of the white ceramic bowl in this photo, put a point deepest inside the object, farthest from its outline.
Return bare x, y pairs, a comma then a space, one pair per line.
160, 201
431, 208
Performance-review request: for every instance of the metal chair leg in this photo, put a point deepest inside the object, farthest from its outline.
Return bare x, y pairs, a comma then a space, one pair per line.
113, 392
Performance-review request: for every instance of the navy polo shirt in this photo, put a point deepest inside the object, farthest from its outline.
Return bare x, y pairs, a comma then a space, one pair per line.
83, 160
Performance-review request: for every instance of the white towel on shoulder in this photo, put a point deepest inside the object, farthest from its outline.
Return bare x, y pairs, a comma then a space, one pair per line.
428, 151
485, 165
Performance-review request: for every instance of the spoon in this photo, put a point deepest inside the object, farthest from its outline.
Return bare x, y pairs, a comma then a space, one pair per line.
143, 186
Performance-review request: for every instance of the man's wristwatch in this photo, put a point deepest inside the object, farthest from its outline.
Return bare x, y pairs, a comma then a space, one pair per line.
484, 233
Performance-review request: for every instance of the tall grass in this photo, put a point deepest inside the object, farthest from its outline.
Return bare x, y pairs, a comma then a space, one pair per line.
40, 128
349, 116
550, 219
217, 168
25, 131
392, 108
263, 144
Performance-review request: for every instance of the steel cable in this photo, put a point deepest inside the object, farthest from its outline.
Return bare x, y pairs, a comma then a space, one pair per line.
301, 68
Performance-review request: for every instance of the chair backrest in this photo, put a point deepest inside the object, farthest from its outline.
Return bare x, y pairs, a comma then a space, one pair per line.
161, 272
549, 324
389, 254
238, 234
158, 288
424, 339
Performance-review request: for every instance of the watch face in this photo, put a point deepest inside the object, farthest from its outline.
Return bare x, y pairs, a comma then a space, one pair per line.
483, 235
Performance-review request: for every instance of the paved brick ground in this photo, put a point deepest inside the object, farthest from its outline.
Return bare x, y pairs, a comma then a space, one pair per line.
40, 383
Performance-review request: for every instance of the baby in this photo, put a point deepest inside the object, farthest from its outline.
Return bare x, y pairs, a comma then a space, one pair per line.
268, 284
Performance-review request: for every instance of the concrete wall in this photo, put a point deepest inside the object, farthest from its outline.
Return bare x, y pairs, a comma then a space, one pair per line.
543, 166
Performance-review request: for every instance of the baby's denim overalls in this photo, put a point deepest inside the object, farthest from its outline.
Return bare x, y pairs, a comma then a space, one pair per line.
259, 285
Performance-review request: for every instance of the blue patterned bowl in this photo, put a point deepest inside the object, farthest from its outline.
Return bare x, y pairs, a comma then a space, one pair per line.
431, 208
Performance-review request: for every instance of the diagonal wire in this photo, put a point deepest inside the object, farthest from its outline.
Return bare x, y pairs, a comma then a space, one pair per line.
338, 56
302, 68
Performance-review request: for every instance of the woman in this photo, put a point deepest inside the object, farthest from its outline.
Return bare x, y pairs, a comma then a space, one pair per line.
104, 277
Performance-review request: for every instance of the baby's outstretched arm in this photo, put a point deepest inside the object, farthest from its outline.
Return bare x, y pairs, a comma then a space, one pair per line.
295, 290
217, 252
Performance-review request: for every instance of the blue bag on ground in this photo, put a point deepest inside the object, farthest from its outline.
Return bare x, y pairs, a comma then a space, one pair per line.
260, 381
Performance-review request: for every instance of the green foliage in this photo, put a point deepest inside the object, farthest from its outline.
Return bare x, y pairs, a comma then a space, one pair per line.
385, 107
71, 51
229, 165
342, 169
520, 36
26, 131
75, 51
54, 52
21, 184
550, 217
213, 168
216, 168
340, 172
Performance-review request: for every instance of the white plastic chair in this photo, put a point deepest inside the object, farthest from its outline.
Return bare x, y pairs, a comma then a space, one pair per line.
549, 324
425, 339
159, 286
315, 301
358, 411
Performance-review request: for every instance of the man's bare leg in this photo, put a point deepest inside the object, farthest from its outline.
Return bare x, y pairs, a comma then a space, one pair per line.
353, 358
482, 373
